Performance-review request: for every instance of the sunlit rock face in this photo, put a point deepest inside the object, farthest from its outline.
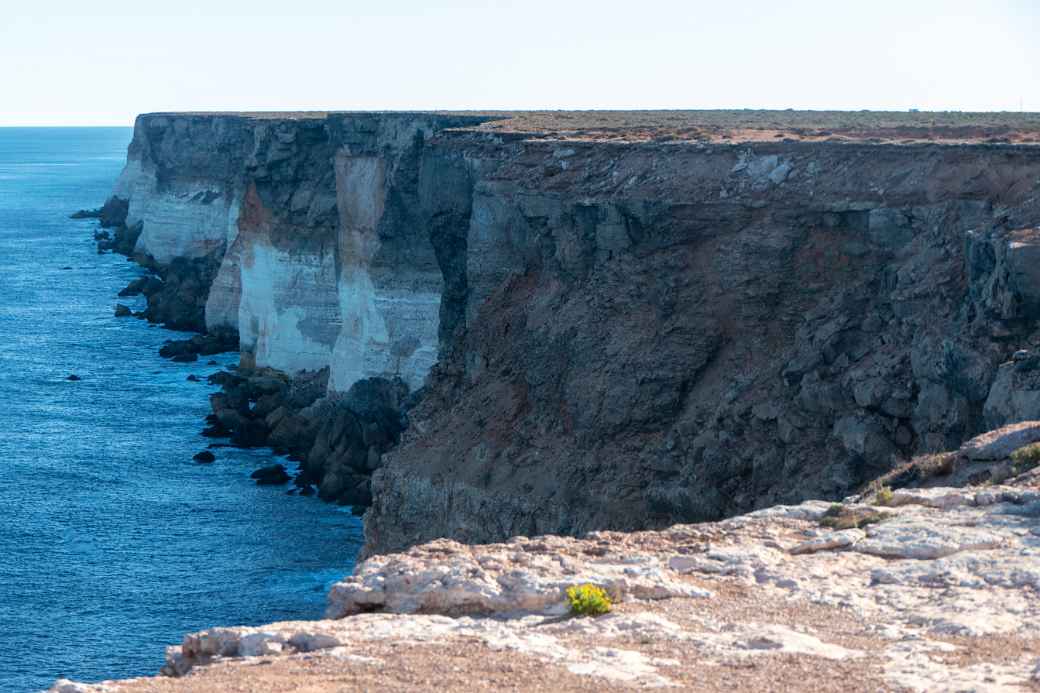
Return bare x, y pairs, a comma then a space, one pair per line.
326, 258
389, 289
187, 200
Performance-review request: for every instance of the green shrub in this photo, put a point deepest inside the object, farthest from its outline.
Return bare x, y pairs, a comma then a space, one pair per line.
883, 496
1026, 458
1030, 454
839, 516
588, 600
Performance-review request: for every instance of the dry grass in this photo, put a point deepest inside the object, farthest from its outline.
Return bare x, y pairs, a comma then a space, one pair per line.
844, 517
723, 126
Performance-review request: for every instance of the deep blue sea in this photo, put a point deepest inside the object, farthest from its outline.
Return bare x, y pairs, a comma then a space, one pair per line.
113, 542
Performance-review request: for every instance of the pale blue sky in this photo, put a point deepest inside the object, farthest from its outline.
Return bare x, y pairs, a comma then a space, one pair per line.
104, 61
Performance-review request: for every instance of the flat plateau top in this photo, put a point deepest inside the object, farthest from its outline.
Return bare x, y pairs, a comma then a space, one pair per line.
878, 127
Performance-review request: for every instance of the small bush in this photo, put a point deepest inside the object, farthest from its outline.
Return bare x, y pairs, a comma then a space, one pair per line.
1026, 458
839, 516
883, 495
588, 600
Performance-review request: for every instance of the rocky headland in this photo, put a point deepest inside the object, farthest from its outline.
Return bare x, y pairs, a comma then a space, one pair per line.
483, 326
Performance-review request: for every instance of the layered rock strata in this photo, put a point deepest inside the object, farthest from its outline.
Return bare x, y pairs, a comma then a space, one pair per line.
602, 329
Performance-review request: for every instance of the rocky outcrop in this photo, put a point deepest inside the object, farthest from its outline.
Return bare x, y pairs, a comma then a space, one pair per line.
598, 334
936, 594
339, 439
110, 215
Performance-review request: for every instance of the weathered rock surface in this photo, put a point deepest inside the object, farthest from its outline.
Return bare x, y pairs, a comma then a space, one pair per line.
999, 444
940, 596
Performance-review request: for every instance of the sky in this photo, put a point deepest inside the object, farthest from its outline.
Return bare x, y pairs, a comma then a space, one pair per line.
69, 62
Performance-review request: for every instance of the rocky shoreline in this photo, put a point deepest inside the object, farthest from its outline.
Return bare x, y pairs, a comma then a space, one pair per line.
337, 441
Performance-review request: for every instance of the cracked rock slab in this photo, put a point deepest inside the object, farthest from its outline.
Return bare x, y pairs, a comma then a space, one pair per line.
999, 444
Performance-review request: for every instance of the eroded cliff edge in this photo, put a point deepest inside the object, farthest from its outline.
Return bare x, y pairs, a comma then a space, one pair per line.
601, 331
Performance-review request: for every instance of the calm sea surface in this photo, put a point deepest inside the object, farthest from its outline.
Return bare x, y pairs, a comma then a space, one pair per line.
113, 542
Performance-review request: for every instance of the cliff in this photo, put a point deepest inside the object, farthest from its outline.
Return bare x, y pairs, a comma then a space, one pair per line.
598, 321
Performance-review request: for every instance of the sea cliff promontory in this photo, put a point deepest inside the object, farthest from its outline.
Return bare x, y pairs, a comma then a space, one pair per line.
481, 325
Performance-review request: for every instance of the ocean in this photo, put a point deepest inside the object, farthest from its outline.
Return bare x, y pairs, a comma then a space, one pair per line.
113, 542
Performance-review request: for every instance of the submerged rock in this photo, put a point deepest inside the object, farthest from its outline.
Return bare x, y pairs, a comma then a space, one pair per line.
274, 475
123, 311
204, 457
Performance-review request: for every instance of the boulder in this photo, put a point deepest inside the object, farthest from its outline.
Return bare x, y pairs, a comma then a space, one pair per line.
147, 286
999, 444
1015, 394
123, 311
204, 457
274, 475
199, 345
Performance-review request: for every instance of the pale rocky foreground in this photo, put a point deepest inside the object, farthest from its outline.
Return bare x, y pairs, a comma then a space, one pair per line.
941, 595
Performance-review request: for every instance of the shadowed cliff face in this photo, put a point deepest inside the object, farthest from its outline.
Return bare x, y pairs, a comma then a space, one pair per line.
611, 335
665, 334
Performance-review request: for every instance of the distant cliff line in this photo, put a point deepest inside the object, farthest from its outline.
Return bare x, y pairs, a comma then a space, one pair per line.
614, 321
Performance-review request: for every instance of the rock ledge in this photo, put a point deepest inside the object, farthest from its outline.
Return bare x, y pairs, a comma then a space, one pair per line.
939, 595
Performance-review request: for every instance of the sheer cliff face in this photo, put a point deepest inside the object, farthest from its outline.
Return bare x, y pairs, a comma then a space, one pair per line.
613, 335
322, 261
663, 333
